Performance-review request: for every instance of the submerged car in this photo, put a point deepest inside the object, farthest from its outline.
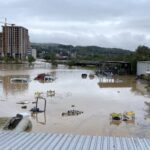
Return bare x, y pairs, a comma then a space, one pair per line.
45, 77
21, 122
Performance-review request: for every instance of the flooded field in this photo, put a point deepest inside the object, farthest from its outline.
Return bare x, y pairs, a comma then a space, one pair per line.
96, 97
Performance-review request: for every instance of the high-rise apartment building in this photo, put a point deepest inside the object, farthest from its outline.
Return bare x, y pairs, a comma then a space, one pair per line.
15, 41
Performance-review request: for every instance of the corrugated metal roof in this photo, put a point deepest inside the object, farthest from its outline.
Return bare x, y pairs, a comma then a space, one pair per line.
47, 141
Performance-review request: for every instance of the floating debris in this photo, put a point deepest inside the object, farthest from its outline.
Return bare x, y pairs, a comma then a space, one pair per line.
72, 113
50, 93
24, 107
38, 94
36, 110
128, 116
116, 116
23, 102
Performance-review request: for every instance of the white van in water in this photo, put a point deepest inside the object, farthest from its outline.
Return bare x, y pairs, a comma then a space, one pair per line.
21, 122
19, 80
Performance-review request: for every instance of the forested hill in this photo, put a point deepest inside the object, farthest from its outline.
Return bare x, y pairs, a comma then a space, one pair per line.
88, 50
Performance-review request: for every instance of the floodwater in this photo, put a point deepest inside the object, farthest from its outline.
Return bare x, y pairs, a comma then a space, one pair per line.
96, 97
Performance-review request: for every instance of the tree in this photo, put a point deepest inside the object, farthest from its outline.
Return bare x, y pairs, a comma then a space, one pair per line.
143, 53
30, 59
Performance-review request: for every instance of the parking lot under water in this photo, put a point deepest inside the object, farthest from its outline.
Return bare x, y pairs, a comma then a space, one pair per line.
97, 97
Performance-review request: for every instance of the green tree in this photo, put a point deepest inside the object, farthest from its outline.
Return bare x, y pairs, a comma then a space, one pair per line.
30, 59
143, 53
8, 59
53, 59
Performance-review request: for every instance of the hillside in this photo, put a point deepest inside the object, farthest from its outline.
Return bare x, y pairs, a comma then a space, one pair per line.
81, 52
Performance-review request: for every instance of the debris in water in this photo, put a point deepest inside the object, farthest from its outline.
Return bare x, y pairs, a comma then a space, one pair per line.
128, 116
50, 93
24, 107
38, 94
72, 113
23, 102
116, 116
36, 110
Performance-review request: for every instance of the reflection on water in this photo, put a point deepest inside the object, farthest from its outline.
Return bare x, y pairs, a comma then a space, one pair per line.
115, 122
39, 117
147, 110
97, 97
118, 122
115, 82
13, 87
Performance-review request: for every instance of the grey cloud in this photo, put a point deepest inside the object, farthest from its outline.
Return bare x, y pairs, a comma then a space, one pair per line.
109, 23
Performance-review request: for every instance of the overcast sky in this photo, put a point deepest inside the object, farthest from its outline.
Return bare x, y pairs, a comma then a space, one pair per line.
108, 23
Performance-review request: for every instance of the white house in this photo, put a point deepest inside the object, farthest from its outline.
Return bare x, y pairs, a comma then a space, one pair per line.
143, 67
34, 53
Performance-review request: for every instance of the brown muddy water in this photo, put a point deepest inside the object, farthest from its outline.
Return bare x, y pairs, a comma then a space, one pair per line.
97, 97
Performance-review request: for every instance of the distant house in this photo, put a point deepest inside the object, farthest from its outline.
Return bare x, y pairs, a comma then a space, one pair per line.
33, 53
143, 67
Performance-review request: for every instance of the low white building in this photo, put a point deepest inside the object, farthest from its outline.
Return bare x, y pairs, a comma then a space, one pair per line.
34, 53
143, 67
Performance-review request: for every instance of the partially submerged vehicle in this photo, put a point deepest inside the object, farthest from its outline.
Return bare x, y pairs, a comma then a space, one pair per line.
45, 77
21, 122
19, 80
